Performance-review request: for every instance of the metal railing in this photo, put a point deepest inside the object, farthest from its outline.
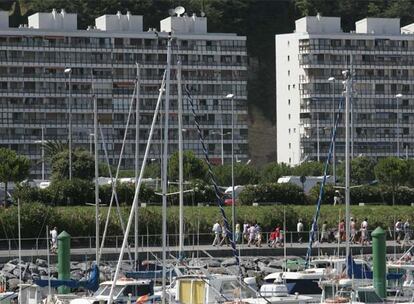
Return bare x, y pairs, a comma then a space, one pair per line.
293, 239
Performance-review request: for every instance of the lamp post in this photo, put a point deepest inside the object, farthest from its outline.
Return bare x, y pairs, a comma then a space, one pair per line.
68, 71
317, 137
42, 142
90, 142
332, 79
233, 195
398, 97
222, 142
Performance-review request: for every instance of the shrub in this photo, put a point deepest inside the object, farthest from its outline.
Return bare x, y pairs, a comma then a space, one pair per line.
271, 193
79, 191
126, 192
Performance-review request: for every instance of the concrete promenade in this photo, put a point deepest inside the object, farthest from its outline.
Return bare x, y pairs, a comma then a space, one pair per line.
109, 254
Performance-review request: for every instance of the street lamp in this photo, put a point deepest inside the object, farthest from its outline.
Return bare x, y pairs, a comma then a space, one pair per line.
222, 143
332, 79
398, 97
42, 142
90, 142
233, 195
68, 71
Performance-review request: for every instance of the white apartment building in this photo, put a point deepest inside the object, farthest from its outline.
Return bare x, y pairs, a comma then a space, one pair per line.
34, 90
309, 88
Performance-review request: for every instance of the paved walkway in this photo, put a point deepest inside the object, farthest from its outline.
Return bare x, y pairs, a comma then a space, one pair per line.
82, 254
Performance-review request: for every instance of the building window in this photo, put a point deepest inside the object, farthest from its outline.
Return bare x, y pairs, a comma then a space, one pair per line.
294, 130
288, 42
290, 160
289, 130
288, 58
289, 116
288, 102
290, 145
288, 72
288, 87
293, 86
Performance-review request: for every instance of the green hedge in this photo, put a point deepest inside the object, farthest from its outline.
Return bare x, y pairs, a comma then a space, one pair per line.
272, 193
80, 221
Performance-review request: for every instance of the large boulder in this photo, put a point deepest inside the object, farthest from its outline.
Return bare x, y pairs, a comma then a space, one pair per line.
229, 262
41, 262
9, 267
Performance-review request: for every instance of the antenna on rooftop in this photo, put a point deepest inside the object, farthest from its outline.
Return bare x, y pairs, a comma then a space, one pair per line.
179, 10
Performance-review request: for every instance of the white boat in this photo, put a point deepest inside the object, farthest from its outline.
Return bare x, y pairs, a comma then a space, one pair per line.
125, 290
206, 289
307, 281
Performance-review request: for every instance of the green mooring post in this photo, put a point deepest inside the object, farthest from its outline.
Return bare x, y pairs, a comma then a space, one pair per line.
64, 260
379, 262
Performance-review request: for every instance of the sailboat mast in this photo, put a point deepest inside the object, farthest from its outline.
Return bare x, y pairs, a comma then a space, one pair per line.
95, 127
180, 161
20, 247
164, 170
347, 162
136, 241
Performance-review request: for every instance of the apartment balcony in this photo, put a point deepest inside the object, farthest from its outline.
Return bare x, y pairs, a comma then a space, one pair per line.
405, 62
346, 49
130, 48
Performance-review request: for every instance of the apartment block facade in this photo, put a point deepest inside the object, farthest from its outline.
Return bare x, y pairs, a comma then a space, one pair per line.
34, 89
309, 88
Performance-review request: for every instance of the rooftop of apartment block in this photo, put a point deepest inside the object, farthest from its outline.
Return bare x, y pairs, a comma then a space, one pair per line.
368, 26
124, 24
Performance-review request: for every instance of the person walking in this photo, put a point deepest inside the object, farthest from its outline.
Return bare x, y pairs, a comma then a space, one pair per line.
53, 235
252, 235
341, 229
217, 231
324, 232
364, 232
398, 230
407, 233
224, 236
258, 232
353, 230
245, 231
337, 198
237, 238
299, 229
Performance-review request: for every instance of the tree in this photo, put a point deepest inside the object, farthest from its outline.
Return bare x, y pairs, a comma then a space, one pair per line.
311, 168
193, 167
391, 171
362, 170
243, 174
273, 171
13, 168
83, 165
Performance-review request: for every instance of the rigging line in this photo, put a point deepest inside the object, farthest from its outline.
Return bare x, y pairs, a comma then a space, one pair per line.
217, 191
322, 188
116, 198
119, 161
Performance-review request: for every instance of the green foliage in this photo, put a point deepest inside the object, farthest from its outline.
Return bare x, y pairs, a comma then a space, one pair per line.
243, 174
391, 171
83, 165
126, 192
273, 171
193, 167
80, 191
311, 168
197, 219
13, 168
272, 193
362, 170
152, 170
